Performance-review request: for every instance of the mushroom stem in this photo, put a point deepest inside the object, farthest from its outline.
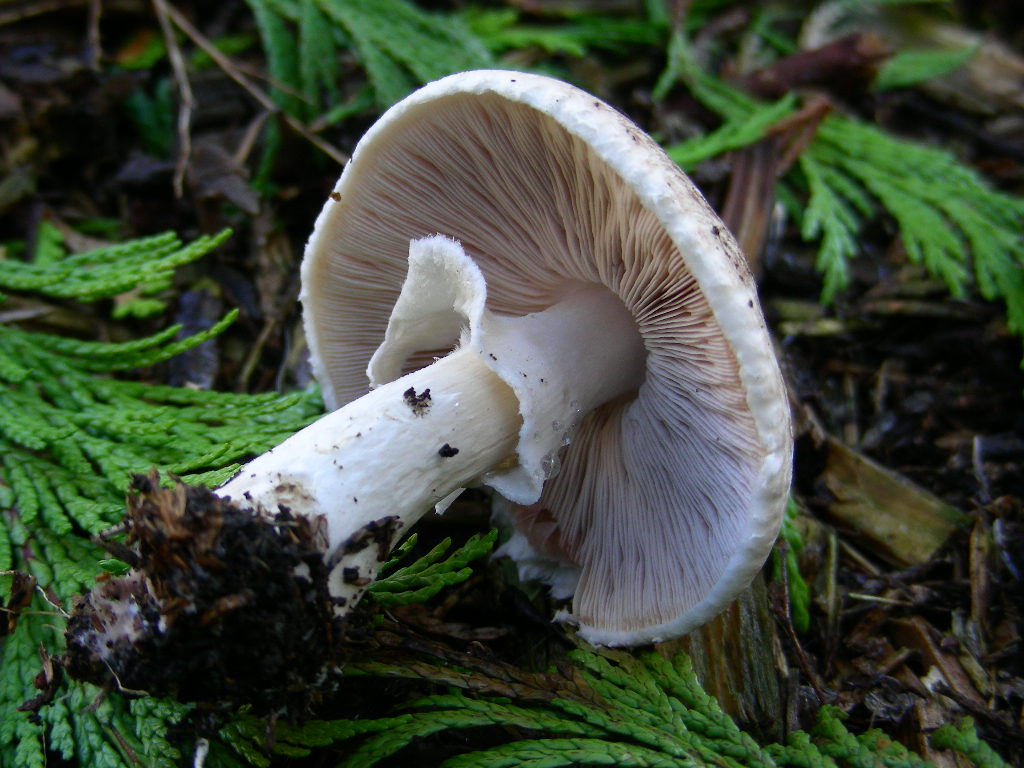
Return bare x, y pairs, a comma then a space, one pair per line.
496, 410
377, 464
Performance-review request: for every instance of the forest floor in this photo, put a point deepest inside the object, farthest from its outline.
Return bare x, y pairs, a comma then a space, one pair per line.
910, 451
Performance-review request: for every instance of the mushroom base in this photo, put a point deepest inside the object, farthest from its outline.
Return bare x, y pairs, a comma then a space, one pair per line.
222, 606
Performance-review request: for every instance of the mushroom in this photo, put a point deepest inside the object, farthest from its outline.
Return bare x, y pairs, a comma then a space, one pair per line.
600, 357
544, 304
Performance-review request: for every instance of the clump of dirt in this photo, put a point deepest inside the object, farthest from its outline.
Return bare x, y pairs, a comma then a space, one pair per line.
223, 605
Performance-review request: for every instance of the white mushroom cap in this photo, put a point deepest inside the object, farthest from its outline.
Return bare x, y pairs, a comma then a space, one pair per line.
667, 502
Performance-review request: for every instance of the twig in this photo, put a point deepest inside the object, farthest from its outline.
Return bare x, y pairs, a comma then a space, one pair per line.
37, 9
126, 749
849, 63
28, 313
750, 199
253, 357
163, 11
978, 465
876, 599
93, 34
235, 74
779, 604
799, 129
248, 141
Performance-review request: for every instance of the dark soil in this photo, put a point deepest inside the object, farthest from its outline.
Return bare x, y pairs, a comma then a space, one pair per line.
223, 606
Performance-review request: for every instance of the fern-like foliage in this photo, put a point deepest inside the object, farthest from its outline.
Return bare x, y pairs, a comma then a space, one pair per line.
949, 218
611, 708
420, 581
740, 130
143, 267
70, 435
398, 44
501, 29
907, 68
